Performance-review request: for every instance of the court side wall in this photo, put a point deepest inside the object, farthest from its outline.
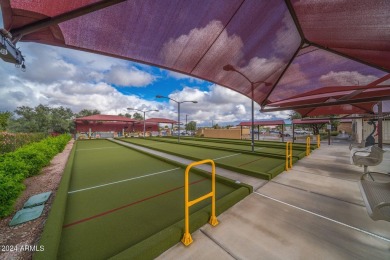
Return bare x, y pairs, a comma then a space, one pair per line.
225, 133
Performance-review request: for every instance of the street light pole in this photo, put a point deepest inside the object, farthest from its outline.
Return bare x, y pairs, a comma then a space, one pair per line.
186, 124
178, 111
178, 122
232, 68
143, 111
144, 123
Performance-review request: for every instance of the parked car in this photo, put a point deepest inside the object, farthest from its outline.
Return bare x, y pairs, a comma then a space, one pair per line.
301, 132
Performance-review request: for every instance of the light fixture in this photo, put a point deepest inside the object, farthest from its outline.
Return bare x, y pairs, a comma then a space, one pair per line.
178, 112
143, 111
9, 53
230, 67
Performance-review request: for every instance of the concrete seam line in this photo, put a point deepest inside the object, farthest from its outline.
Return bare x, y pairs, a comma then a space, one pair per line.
332, 220
219, 244
316, 193
116, 182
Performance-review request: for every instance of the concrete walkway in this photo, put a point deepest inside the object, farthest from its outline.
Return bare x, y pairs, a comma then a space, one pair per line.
314, 210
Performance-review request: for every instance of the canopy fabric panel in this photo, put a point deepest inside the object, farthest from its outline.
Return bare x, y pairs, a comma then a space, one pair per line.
161, 120
330, 100
106, 118
289, 47
311, 121
263, 123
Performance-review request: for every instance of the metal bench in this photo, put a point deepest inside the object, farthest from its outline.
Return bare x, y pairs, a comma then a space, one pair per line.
376, 196
357, 145
368, 158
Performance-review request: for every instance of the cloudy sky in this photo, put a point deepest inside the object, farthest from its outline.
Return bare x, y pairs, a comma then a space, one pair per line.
80, 80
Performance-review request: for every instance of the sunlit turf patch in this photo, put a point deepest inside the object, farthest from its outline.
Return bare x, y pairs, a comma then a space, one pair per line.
259, 165
121, 201
271, 149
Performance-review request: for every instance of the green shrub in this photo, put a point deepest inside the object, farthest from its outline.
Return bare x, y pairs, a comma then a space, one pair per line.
11, 165
334, 133
34, 158
25, 162
10, 189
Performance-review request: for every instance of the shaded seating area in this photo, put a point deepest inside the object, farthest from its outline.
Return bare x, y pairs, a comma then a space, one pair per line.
376, 196
368, 158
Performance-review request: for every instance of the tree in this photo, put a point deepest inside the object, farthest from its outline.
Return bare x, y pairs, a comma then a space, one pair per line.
334, 122
62, 120
42, 119
138, 116
316, 127
87, 112
191, 126
4, 117
25, 120
125, 115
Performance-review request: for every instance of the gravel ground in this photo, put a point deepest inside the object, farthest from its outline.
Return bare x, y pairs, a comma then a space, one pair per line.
28, 234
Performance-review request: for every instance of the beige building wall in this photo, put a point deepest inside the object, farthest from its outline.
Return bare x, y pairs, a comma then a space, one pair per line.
345, 126
225, 133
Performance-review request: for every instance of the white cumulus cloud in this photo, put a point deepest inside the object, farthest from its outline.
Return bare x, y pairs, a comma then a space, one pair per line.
133, 77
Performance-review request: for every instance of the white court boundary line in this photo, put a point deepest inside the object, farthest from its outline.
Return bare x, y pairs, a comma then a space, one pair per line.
332, 220
227, 156
116, 182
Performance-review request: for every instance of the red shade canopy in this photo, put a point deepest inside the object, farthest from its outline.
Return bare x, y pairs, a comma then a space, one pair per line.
263, 123
161, 120
311, 121
290, 47
106, 118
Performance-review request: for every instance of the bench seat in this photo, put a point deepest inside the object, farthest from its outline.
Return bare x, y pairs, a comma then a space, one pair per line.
376, 196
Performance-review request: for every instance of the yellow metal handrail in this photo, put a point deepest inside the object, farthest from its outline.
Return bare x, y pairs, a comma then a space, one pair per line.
288, 155
307, 145
187, 239
318, 141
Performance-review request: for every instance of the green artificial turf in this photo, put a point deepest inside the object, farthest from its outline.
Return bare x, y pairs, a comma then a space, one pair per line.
111, 207
51, 235
279, 150
258, 143
257, 165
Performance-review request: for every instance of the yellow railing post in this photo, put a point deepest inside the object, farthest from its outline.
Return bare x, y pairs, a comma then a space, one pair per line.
288, 155
318, 141
307, 145
187, 239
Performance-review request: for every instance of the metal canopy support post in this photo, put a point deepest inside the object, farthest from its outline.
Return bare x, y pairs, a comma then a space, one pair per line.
380, 132
293, 126
253, 120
